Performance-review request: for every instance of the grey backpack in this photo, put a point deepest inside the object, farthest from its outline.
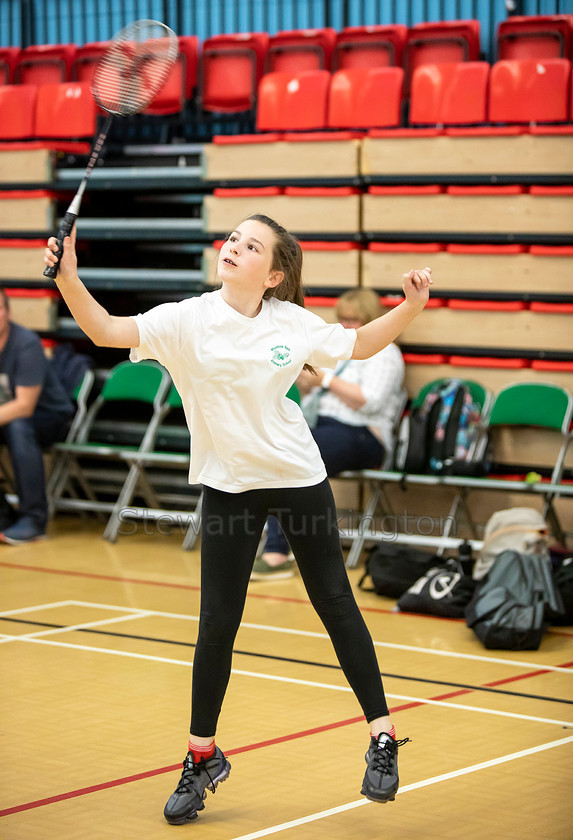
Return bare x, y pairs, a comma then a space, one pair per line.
513, 604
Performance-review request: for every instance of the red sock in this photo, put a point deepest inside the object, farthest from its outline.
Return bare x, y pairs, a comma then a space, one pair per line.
391, 733
201, 752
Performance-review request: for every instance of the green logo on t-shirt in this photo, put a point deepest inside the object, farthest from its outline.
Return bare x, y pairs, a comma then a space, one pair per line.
281, 355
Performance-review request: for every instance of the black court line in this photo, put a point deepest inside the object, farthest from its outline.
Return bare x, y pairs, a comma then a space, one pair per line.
293, 660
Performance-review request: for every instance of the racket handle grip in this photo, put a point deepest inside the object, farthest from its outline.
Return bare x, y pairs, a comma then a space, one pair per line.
64, 230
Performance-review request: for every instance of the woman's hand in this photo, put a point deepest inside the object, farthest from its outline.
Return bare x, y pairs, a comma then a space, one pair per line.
68, 268
416, 285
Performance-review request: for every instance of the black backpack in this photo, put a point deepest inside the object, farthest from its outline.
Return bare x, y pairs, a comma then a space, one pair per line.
69, 367
439, 436
512, 605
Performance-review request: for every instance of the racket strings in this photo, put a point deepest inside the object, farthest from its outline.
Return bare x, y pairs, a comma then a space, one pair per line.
135, 68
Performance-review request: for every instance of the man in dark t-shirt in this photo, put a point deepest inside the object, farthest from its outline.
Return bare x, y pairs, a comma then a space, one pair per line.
35, 412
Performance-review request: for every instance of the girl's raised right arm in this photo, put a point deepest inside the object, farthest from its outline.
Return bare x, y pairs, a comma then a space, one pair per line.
103, 329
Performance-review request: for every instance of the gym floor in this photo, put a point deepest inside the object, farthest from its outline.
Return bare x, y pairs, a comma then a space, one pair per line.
96, 649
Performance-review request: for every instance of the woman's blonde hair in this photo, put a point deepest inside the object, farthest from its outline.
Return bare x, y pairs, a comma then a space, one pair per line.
359, 303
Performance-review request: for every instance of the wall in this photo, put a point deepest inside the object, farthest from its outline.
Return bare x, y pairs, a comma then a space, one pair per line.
26, 22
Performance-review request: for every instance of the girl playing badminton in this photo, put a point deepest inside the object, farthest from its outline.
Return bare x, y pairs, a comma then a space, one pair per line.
233, 354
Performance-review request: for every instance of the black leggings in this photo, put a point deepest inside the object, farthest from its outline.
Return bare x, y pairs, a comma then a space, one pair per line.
232, 524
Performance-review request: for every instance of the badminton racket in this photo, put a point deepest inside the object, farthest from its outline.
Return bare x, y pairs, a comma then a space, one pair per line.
126, 79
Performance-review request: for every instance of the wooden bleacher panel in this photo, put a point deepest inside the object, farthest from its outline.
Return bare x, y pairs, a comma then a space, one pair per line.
263, 157
33, 210
509, 269
20, 259
31, 163
225, 208
301, 210
499, 325
331, 264
500, 328
416, 506
504, 151
483, 210
535, 448
36, 309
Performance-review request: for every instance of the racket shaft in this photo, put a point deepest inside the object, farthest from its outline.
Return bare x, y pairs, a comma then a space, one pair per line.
73, 210
64, 230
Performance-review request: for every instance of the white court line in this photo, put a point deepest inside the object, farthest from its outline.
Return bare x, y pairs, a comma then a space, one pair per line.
444, 777
291, 680
84, 626
45, 607
514, 663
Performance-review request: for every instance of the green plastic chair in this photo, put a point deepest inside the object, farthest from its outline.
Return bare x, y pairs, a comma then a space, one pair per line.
537, 404
80, 485
151, 481
532, 404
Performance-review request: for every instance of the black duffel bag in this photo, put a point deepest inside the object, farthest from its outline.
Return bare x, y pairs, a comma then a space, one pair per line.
444, 590
394, 568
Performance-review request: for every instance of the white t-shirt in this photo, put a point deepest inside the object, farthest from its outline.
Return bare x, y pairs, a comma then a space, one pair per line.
233, 373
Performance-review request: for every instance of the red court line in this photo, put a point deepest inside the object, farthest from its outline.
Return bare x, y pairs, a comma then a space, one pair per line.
168, 585
50, 800
192, 588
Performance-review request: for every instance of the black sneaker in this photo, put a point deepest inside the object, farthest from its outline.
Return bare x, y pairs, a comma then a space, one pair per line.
381, 778
197, 777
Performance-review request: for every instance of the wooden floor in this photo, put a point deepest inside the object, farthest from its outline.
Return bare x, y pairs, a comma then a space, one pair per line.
95, 655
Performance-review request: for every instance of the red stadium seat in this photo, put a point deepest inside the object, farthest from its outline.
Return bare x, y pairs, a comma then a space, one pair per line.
229, 71
449, 94
178, 88
369, 46
181, 82
529, 91
87, 56
300, 49
541, 36
66, 110
45, 64
365, 97
440, 42
8, 59
18, 108
293, 101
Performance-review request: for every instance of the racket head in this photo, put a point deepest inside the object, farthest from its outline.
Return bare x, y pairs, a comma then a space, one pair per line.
134, 68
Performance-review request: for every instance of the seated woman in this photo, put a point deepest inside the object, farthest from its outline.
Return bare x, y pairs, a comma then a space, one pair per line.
358, 404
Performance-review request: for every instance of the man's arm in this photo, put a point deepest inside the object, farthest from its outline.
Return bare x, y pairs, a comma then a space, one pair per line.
23, 404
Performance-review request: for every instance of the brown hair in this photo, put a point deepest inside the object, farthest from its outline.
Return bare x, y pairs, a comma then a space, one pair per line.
287, 257
4, 296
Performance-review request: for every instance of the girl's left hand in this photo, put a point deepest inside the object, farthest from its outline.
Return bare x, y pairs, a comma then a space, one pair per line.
416, 285
306, 381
